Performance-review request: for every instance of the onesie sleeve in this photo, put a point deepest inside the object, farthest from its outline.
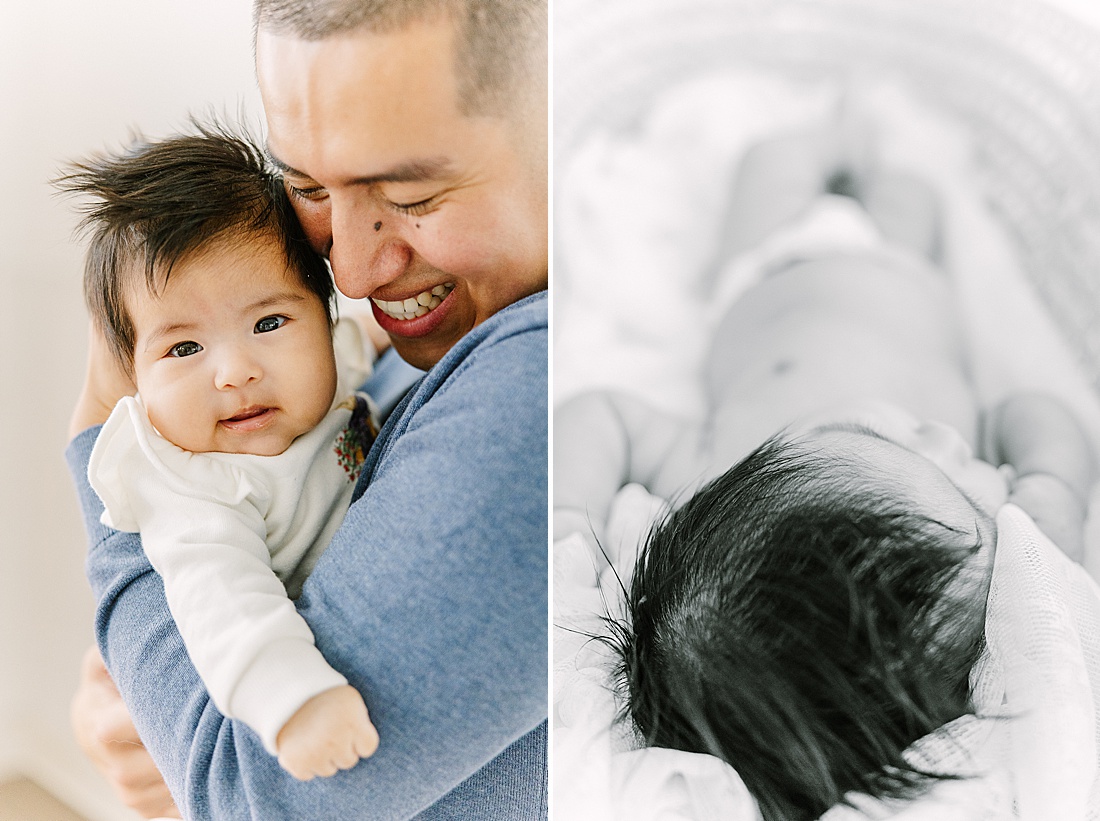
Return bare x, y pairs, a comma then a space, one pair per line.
203, 531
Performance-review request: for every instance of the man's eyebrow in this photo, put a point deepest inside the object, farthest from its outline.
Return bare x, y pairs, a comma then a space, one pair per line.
279, 165
424, 170
414, 171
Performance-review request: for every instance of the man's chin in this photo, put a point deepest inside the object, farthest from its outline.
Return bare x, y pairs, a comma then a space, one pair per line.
421, 353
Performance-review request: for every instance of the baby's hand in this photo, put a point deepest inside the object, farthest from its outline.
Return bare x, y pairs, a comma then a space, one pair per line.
330, 732
1055, 508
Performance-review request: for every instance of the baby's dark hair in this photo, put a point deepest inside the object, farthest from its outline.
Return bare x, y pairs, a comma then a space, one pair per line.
157, 202
803, 628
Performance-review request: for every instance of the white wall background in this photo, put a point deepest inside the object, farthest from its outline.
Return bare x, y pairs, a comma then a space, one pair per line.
74, 78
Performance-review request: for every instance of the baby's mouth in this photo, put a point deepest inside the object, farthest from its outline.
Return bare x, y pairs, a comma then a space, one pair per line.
249, 419
414, 307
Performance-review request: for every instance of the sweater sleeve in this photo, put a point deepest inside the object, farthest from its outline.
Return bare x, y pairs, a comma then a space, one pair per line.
431, 600
204, 534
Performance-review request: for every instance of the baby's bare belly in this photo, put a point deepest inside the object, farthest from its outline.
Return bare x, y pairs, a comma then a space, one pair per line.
827, 334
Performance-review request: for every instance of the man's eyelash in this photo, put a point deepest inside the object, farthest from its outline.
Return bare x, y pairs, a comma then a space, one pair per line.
414, 209
318, 192
312, 193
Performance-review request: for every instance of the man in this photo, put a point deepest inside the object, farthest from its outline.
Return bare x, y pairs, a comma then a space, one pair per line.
412, 139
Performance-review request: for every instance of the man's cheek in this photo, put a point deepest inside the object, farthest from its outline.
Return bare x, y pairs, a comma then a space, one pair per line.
316, 221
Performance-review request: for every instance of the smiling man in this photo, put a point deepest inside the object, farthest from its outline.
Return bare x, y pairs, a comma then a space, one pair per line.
414, 178
412, 140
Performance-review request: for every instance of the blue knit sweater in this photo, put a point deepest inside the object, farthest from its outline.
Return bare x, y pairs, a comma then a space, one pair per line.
431, 599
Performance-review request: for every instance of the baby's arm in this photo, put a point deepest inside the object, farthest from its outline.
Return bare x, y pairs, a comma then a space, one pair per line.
602, 441
1053, 461
203, 532
255, 652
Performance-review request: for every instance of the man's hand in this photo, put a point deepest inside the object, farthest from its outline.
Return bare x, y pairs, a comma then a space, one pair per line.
104, 730
105, 382
330, 732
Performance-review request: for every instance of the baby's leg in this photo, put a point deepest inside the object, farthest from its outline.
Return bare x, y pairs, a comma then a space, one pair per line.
779, 178
776, 181
905, 209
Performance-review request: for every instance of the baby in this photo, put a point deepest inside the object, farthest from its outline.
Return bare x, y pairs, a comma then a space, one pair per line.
237, 458
811, 611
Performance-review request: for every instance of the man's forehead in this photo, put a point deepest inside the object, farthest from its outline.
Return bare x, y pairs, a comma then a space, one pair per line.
418, 57
332, 104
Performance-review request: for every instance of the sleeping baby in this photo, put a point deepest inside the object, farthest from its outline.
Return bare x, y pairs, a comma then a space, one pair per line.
814, 601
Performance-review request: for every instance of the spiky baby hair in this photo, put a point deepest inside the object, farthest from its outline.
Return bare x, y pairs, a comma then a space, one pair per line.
157, 202
801, 627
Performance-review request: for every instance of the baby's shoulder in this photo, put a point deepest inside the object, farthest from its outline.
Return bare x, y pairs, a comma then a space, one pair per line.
131, 458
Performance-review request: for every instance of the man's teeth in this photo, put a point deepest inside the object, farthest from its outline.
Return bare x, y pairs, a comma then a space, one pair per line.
415, 306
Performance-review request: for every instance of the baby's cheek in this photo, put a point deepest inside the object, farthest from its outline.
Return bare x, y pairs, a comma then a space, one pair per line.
163, 422
175, 426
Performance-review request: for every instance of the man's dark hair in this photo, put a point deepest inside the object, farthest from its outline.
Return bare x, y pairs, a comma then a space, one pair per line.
801, 627
157, 202
501, 45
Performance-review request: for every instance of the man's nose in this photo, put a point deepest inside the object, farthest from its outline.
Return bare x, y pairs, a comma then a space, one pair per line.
365, 253
236, 368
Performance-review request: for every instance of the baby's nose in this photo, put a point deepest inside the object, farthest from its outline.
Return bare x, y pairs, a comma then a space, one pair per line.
236, 369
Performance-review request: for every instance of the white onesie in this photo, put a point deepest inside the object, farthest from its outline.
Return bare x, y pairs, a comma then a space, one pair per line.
234, 537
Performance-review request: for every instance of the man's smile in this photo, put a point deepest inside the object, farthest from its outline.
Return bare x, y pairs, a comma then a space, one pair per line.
418, 316
416, 306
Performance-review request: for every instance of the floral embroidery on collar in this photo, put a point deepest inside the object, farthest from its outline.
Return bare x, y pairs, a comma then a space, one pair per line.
355, 440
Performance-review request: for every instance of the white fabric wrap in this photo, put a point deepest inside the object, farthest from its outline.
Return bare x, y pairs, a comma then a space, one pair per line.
232, 535
1043, 665
1041, 672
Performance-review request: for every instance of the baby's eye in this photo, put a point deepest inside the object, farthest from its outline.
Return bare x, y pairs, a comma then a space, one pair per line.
269, 323
185, 349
